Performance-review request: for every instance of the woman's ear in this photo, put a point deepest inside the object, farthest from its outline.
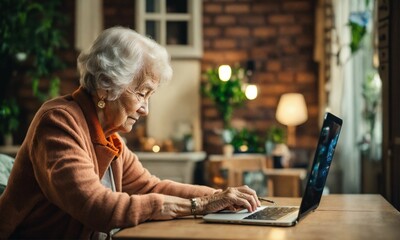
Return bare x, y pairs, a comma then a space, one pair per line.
102, 94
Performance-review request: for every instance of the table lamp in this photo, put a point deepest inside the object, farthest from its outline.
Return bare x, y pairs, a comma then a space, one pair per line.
291, 111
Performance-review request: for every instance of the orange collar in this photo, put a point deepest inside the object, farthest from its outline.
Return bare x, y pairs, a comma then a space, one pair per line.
84, 100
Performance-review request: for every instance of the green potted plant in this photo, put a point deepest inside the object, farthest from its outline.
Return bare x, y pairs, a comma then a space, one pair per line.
31, 35
371, 93
227, 95
275, 135
275, 146
246, 141
9, 119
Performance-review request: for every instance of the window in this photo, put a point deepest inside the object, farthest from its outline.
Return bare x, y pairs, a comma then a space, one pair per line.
175, 24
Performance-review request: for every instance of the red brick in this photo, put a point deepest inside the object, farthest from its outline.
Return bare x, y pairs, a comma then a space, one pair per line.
295, 65
274, 89
206, 43
264, 77
264, 32
261, 52
235, 56
274, 65
212, 125
269, 101
206, 101
304, 77
211, 32
265, 7
214, 139
281, 18
211, 113
290, 49
109, 12
305, 41
211, 55
237, 32
297, 6
246, 43
290, 30
212, 8
252, 20
285, 40
237, 8
224, 43
306, 19
225, 20
313, 110
285, 77
207, 20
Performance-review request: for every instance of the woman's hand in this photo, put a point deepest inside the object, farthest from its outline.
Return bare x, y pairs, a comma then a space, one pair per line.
233, 198
173, 207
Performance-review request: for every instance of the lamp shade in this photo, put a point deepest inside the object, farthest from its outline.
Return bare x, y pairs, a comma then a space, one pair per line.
292, 109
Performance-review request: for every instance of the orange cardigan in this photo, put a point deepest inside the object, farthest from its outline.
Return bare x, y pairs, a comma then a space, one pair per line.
54, 190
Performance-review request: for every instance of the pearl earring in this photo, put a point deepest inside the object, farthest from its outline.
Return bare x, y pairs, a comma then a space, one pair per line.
101, 104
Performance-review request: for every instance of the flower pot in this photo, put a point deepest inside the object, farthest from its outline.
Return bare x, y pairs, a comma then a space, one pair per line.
283, 155
228, 150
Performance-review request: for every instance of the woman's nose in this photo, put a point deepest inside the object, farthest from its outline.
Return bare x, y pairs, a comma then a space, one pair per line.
144, 108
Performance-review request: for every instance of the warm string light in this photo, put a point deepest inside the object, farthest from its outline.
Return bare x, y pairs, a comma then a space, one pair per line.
251, 91
224, 72
156, 148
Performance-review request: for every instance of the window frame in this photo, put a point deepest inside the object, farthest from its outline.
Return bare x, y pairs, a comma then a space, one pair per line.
193, 17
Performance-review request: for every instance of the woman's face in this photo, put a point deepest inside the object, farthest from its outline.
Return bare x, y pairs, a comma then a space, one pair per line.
121, 114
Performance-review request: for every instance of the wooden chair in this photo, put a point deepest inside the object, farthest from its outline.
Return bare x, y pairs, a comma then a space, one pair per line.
287, 182
229, 171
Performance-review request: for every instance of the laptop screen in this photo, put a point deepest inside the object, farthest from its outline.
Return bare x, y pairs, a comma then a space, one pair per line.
327, 142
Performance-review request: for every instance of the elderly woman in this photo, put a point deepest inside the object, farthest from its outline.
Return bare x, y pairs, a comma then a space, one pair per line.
75, 178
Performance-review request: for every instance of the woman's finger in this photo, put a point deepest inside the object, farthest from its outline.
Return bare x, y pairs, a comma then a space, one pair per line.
250, 200
254, 201
243, 202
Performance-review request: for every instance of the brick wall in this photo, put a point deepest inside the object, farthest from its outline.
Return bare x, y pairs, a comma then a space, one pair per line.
279, 37
119, 13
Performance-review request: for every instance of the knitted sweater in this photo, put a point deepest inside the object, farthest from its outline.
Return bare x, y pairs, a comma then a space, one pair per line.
54, 190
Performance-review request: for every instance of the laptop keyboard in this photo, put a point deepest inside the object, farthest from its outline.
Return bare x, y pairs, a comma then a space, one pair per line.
271, 213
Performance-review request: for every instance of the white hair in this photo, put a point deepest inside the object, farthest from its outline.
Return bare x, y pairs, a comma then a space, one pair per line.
120, 56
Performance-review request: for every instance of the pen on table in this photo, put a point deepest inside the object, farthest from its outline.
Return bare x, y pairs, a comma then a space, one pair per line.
266, 200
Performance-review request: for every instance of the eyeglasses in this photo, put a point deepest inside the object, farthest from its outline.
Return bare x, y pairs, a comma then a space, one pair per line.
140, 96
266, 200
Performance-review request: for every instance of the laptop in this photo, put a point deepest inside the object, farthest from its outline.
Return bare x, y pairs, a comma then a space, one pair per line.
318, 173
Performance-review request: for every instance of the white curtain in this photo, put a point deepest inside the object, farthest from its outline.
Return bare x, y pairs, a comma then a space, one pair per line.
345, 97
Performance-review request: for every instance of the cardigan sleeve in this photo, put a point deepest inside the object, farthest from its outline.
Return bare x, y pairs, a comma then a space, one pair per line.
138, 180
65, 170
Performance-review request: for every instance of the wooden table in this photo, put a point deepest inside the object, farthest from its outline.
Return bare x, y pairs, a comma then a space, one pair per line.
338, 217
